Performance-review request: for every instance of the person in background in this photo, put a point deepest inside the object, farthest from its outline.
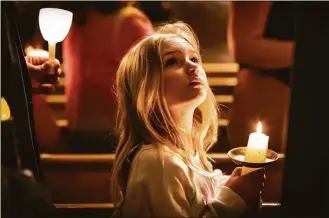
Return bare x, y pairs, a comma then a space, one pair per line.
260, 39
157, 11
17, 72
21, 196
48, 134
28, 29
167, 121
101, 33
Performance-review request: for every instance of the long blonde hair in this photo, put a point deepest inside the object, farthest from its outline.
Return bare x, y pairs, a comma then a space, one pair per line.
143, 116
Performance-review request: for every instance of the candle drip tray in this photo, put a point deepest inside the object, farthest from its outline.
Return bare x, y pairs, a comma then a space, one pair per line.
237, 155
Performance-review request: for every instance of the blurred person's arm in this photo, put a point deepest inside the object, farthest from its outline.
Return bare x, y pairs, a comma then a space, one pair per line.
247, 45
43, 82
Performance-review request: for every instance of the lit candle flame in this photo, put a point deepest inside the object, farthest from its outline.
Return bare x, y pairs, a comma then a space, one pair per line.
259, 128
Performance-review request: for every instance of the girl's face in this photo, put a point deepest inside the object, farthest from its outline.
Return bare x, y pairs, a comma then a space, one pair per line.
185, 81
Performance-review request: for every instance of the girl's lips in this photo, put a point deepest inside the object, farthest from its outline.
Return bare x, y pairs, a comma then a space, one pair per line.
195, 83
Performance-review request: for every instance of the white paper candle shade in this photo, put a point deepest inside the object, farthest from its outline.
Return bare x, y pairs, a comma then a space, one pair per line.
54, 26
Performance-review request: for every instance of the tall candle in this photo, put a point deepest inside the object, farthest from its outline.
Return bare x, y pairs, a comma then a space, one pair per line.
54, 25
256, 148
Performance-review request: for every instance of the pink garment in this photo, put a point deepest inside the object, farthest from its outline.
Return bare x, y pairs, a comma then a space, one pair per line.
91, 56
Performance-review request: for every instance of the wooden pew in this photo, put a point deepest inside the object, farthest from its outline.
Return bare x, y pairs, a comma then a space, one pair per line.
102, 210
84, 210
85, 178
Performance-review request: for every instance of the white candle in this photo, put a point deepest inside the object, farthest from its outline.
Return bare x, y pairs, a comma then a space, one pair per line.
256, 148
54, 25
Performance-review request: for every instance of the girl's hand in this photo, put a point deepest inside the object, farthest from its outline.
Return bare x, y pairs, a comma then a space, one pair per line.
248, 186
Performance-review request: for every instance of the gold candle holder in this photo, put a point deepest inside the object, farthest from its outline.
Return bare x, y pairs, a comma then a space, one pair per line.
237, 155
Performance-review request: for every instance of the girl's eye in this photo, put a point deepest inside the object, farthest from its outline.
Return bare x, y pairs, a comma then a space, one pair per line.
171, 62
194, 60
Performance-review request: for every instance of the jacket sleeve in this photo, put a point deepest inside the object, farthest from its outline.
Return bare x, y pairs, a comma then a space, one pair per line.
226, 204
169, 188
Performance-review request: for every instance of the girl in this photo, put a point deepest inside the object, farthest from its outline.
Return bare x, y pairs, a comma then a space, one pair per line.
167, 121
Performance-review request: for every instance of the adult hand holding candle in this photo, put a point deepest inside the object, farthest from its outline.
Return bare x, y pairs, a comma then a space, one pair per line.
54, 26
256, 148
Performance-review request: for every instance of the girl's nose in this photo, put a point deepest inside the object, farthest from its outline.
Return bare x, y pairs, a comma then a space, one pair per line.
192, 68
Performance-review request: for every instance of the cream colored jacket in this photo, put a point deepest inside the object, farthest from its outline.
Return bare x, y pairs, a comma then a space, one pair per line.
160, 184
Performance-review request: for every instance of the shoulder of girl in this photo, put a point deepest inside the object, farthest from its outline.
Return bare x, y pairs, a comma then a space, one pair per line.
153, 156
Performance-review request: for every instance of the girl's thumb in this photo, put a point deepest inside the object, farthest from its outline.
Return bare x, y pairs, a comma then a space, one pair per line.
236, 172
